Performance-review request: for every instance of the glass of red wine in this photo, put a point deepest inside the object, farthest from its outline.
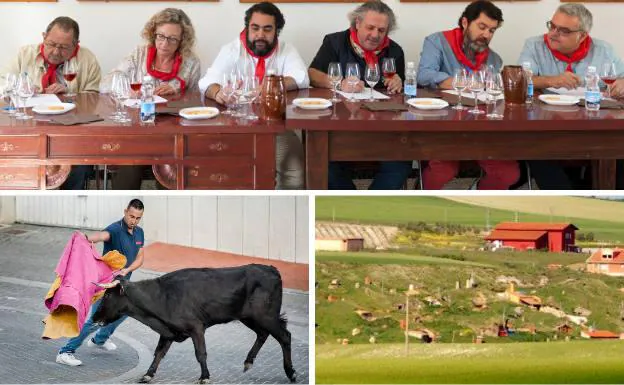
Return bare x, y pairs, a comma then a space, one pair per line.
70, 71
608, 75
136, 81
388, 66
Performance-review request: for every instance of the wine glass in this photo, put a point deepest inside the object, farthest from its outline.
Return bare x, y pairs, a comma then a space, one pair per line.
608, 75
334, 71
460, 82
228, 82
353, 78
494, 88
388, 66
136, 81
25, 90
476, 86
372, 78
70, 71
9, 92
251, 90
121, 92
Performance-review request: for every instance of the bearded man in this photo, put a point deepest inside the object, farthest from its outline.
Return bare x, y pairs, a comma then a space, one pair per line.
258, 44
467, 47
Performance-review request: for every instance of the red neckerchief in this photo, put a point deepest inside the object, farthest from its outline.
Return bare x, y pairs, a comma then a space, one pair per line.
370, 57
165, 76
576, 56
260, 65
455, 38
50, 76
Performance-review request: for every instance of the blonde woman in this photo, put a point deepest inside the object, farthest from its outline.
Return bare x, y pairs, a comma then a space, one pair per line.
168, 57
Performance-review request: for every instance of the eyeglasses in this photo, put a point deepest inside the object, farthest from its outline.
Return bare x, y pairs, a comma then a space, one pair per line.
562, 30
60, 47
171, 40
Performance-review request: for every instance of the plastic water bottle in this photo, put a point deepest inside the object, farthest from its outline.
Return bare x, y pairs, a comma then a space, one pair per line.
410, 80
148, 107
529, 76
592, 89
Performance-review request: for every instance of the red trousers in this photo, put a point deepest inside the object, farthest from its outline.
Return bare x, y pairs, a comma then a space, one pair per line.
499, 174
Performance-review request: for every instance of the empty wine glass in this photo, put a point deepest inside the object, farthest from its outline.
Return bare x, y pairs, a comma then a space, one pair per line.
251, 90
476, 86
228, 82
372, 78
608, 75
121, 92
460, 82
25, 90
494, 88
9, 92
70, 71
353, 78
334, 71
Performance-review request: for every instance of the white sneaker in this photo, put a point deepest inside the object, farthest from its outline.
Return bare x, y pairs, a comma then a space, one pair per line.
108, 345
68, 359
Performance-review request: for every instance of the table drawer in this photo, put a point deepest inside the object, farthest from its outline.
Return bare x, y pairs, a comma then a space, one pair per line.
19, 177
19, 146
220, 176
220, 145
136, 146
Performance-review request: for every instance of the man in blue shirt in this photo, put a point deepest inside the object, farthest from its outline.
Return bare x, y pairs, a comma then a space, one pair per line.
464, 47
559, 58
126, 237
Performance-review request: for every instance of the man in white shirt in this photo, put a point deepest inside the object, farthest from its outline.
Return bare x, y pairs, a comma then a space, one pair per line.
258, 44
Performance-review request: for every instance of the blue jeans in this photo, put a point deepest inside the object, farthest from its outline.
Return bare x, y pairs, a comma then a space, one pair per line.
390, 176
89, 327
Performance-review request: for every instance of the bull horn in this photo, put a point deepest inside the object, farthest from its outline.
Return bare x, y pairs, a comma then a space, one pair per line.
106, 285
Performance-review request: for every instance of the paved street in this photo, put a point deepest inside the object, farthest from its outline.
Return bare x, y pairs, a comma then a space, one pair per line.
28, 256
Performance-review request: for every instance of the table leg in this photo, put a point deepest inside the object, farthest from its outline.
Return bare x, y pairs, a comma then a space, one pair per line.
317, 159
603, 177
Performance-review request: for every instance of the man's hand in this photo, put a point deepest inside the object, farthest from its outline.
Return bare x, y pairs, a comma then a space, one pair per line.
220, 97
123, 272
446, 84
394, 84
617, 88
164, 90
55, 88
567, 80
346, 87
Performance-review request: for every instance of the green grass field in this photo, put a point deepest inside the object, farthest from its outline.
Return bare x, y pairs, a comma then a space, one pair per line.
579, 362
402, 210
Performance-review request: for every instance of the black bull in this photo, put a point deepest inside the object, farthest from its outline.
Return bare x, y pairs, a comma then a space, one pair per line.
184, 303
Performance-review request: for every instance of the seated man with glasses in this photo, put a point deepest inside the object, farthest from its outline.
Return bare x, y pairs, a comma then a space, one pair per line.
44, 64
559, 58
167, 56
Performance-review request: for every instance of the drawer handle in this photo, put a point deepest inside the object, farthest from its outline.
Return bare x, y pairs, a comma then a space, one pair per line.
7, 147
219, 178
112, 147
194, 172
219, 146
7, 177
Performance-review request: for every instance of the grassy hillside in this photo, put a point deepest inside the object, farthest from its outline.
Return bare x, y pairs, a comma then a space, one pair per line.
434, 272
579, 362
402, 210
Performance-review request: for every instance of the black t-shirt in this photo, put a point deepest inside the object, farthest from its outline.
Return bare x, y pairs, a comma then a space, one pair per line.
337, 47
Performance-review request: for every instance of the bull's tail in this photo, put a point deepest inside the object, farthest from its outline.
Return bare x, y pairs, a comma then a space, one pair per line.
283, 320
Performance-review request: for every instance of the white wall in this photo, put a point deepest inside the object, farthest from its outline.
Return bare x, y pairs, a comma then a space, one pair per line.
111, 29
275, 227
7, 209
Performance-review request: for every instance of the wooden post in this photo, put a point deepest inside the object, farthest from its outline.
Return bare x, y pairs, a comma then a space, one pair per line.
406, 324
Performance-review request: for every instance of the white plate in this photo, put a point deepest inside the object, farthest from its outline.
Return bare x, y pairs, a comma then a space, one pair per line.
53, 109
559, 100
312, 103
193, 113
428, 103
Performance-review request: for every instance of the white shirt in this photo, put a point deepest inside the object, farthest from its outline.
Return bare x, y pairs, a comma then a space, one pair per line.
285, 60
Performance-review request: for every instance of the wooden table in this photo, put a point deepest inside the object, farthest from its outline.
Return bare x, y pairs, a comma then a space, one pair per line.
220, 153
350, 133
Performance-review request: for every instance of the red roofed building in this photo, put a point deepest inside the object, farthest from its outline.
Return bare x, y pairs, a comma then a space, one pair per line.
598, 334
555, 237
606, 261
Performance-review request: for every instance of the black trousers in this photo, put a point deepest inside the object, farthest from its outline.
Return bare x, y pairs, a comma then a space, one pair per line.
77, 178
